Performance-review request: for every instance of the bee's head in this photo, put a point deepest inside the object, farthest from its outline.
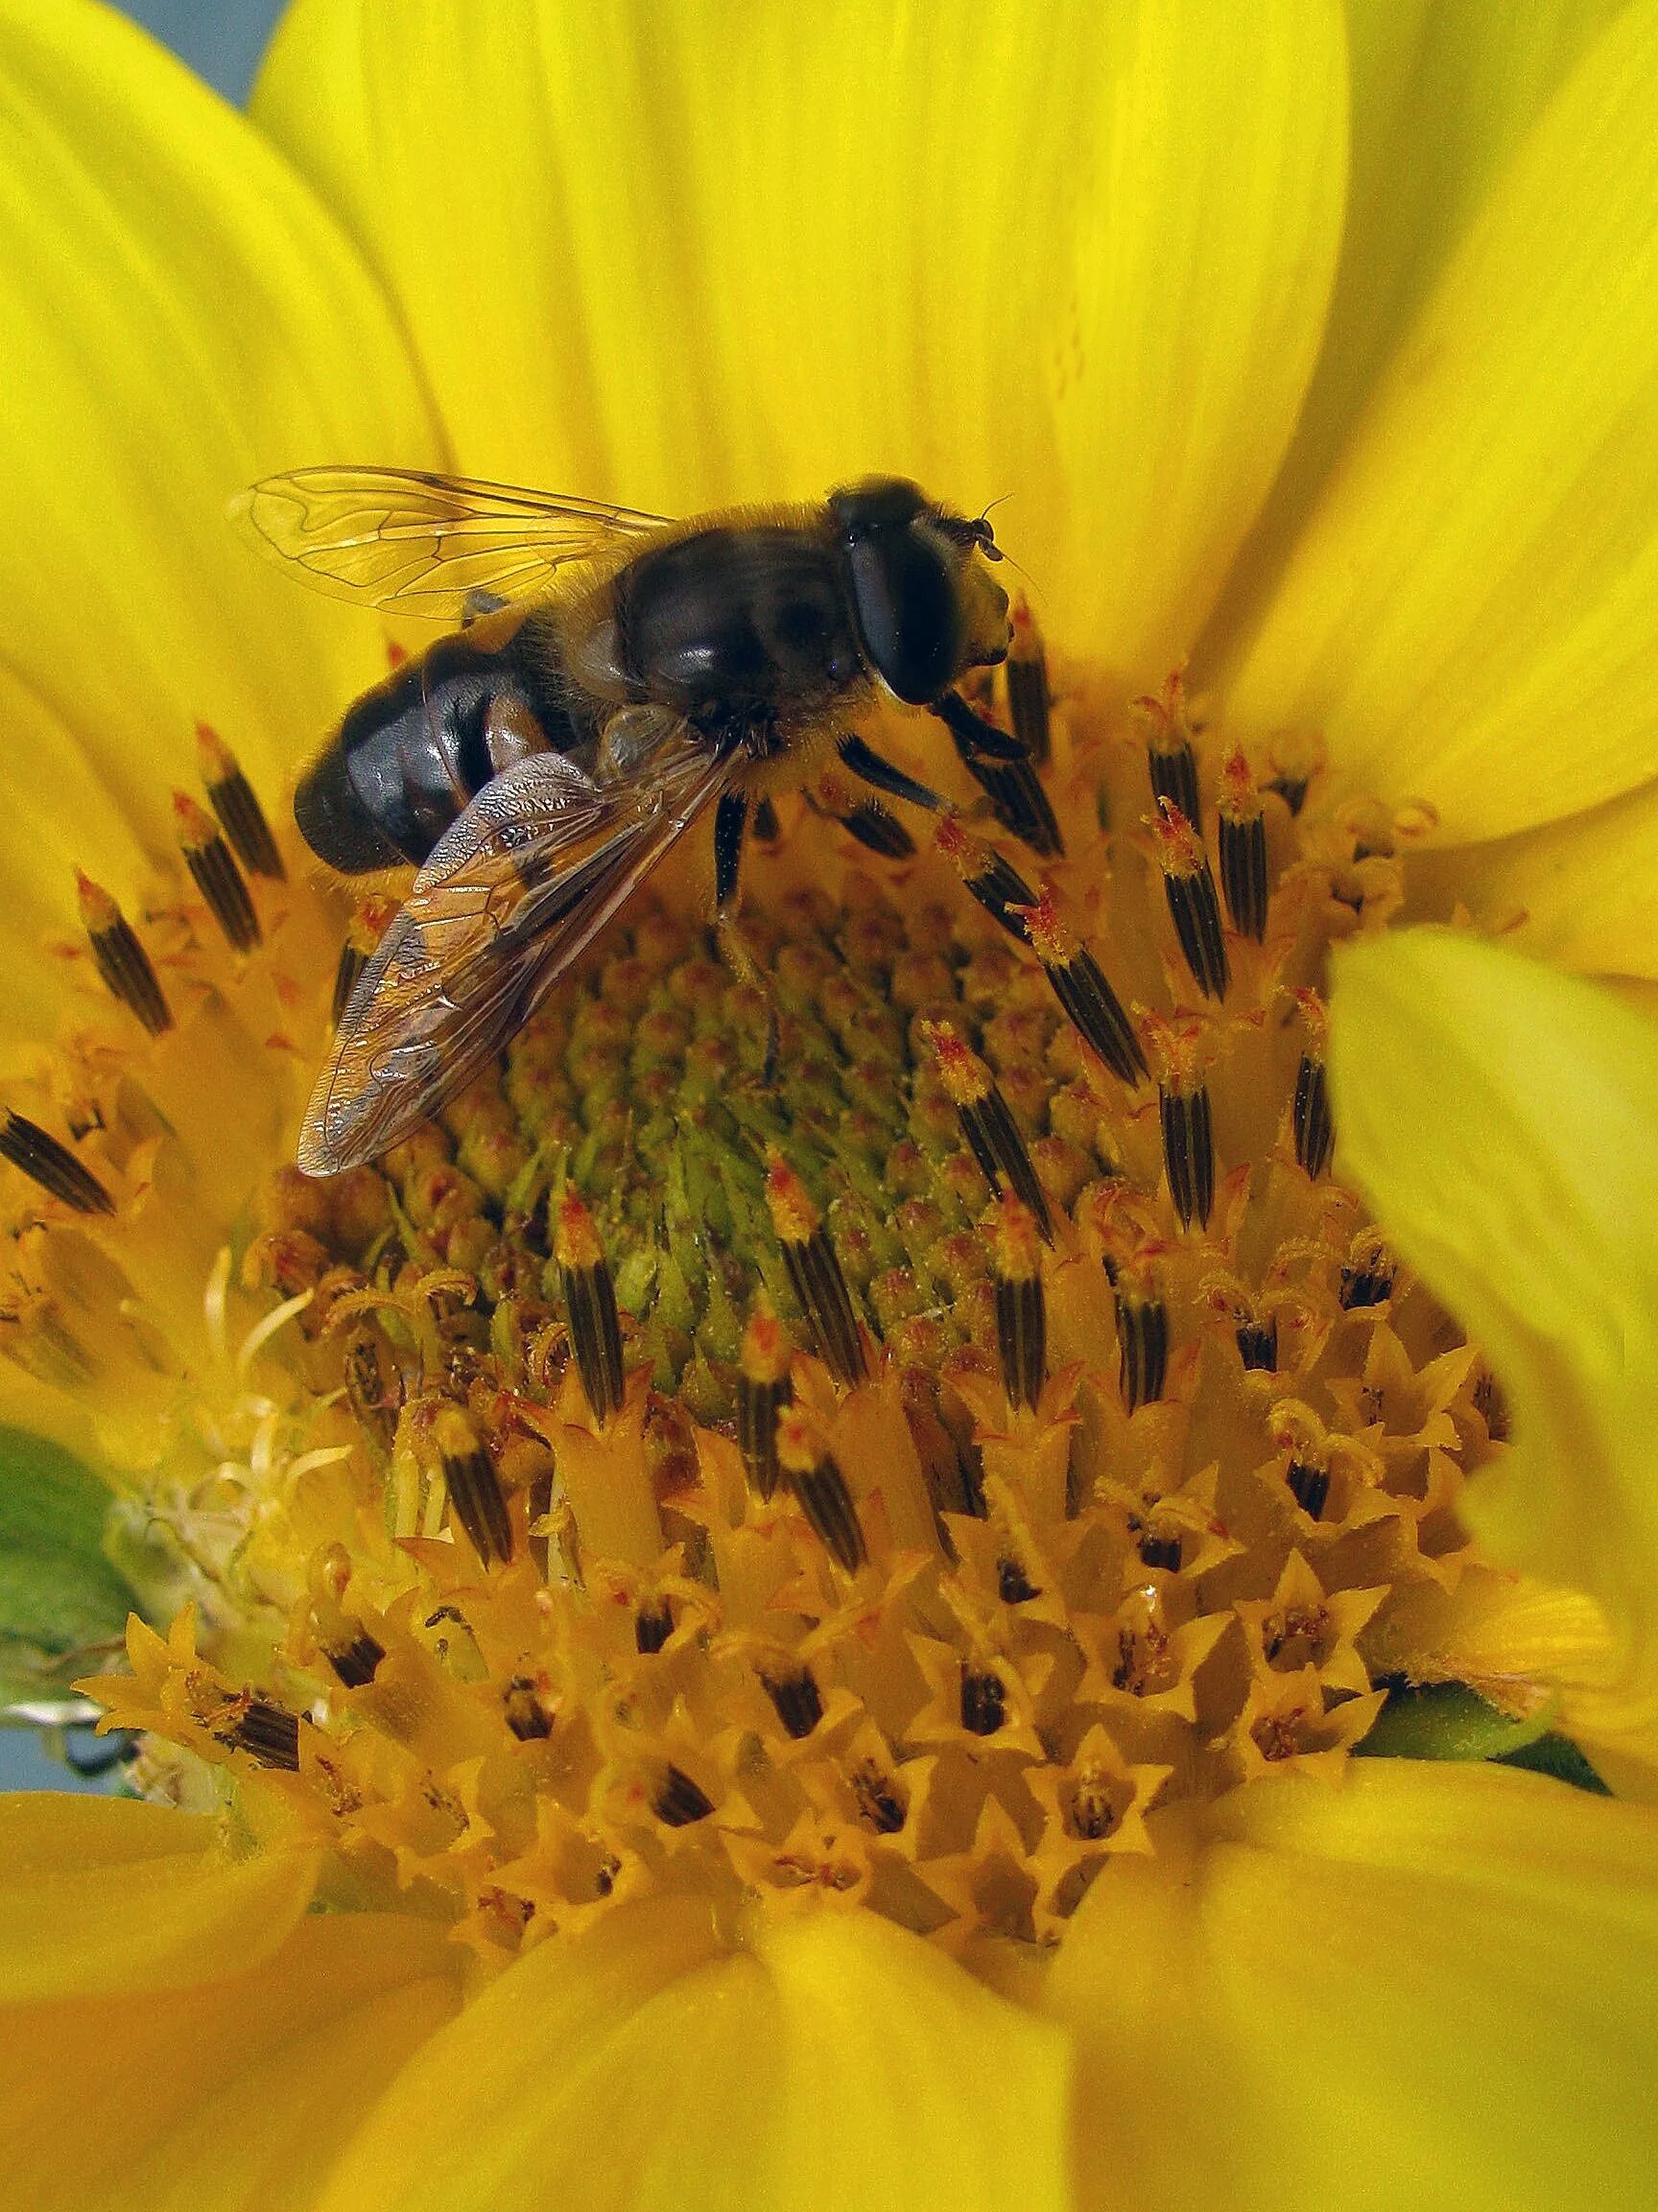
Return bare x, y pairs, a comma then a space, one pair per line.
926, 606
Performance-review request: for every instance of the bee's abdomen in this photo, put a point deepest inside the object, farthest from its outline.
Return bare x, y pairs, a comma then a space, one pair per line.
736, 620
412, 753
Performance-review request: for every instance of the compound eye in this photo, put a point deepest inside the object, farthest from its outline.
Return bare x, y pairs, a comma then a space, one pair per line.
909, 615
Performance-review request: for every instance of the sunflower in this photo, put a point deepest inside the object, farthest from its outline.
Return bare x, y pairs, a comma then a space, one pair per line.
724, 1642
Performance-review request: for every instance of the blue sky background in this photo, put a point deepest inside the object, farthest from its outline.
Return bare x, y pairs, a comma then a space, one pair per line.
222, 39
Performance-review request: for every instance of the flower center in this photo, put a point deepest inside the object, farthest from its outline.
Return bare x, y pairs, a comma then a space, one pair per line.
888, 1482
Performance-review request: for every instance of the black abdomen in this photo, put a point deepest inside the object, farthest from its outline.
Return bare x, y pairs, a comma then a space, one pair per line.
731, 621
410, 753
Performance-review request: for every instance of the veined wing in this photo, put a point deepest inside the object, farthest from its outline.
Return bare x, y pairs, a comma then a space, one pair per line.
420, 544
512, 894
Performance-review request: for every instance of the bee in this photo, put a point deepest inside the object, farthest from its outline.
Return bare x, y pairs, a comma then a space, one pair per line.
615, 676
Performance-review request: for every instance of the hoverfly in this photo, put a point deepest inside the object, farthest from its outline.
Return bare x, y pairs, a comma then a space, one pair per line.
616, 676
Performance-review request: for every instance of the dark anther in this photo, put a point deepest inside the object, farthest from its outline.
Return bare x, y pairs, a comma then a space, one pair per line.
829, 1507
798, 1703
758, 1405
1141, 1347
1244, 874
374, 1387
351, 964
679, 1801
1189, 1152
53, 1166
1028, 695
1021, 1306
1292, 790
268, 1733
525, 1715
127, 970
1161, 1551
652, 1626
994, 882
1492, 1406
878, 1800
1013, 1584
1258, 1345
1189, 886
1002, 769
1174, 770
1081, 987
981, 1702
358, 1661
216, 877
590, 1295
1314, 1132
1366, 1285
815, 1274
476, 1497
879, 831
1308, 1485
1093, 1815
987, 1124
232, 799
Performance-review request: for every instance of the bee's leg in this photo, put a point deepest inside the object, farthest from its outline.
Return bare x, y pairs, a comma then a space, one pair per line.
870, 768
1003, 769
730, 818
478, 602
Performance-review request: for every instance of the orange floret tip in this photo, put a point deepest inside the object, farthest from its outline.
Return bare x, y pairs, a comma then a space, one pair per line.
799, 1445
217, 761
1179, 848
763, 1357
1163, 714
1315, 1020
960, 1071
576, 1241
1239, 798
99, 912
195, 827
1049, 940
953, 842
1175, 1049
1016, 1245
794, 1215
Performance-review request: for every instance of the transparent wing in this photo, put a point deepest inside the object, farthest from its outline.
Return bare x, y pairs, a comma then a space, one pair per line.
420, 544
512, 894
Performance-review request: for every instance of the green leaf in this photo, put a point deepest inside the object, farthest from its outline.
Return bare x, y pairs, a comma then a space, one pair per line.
1446, 1720
62, 1602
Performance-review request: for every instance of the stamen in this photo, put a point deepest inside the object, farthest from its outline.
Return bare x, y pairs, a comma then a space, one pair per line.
1081, 987
1308, 1485
1020, 1308
231, 796
590, 1294
1142, 1347
813, 1272
1315, 1131
1258, 1345
1193, 906
997, 886
878, 1800
1001, 766
1170, 757
1242, 847
475, 1493
874, 825
525, 1715
358, 1661
1160, 1551
988, 1122
652, 1626
983, 1703
1188, 1151
207, 857
1013, 1586
763, 1389
53, 1166
820, 1489
1026, 673
267, 1732
1367, 1278
127, 969
679, 1802
798, 1702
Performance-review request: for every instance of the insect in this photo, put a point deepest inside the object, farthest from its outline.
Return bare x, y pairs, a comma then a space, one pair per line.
616, 675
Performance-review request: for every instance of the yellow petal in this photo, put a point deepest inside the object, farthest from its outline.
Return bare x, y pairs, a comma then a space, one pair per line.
237, 2093
1443, 91
1472, 613
104, 1895
1431, 1987
177, 316
1582, 892
840, 2062
1499, 1118
1078, 256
